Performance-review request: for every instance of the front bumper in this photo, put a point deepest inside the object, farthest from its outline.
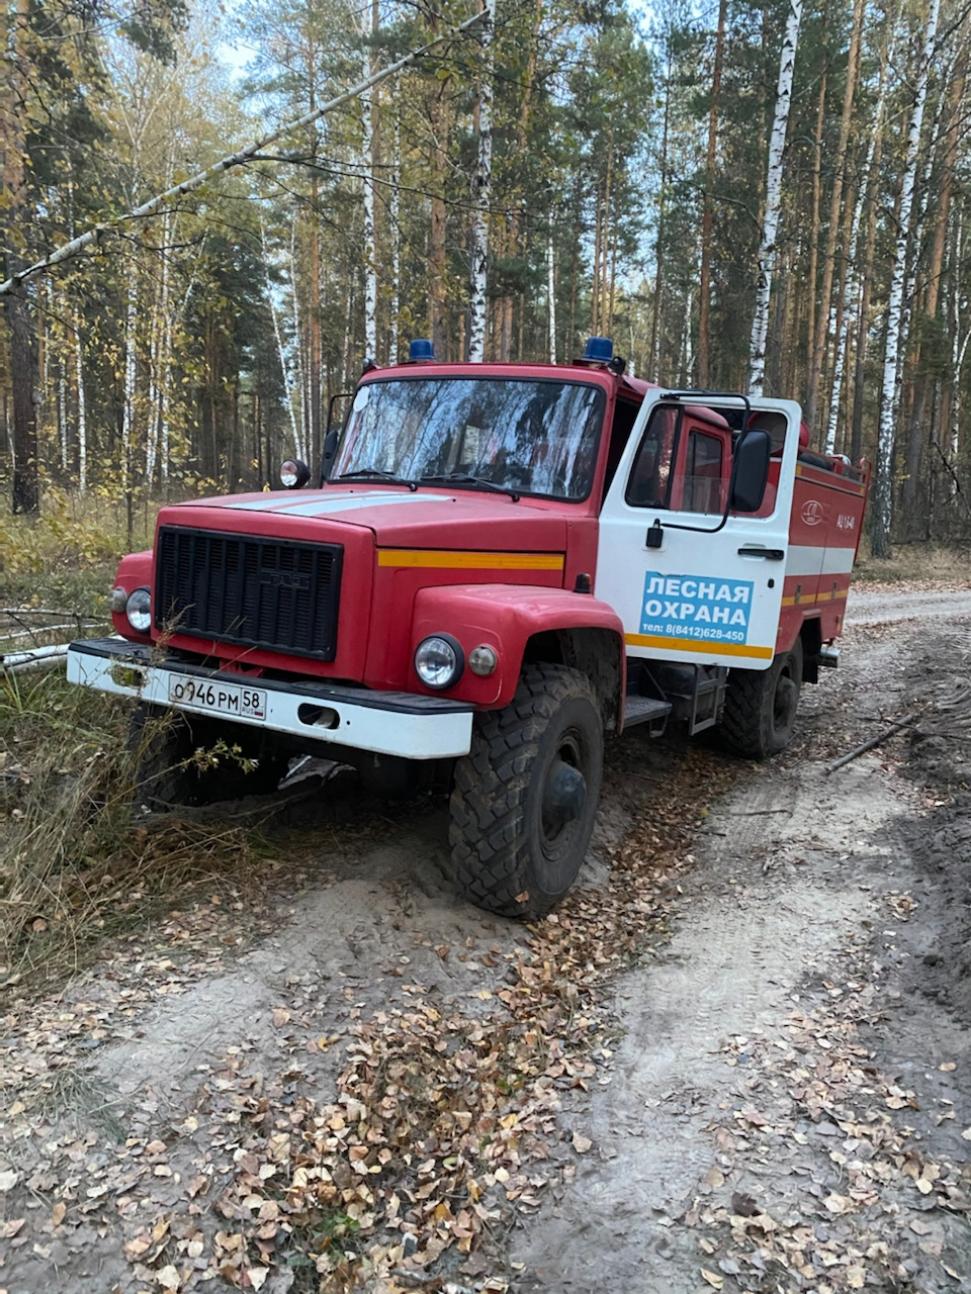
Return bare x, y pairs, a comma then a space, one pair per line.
387, 723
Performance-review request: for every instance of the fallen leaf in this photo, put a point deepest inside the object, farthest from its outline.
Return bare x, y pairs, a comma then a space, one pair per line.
855, 1278
8, 1179
58, 1213
168, 1278
714, 1280
837, 1203
281, 1016
948, 1066
581, 1144
744, 1205
257, 1276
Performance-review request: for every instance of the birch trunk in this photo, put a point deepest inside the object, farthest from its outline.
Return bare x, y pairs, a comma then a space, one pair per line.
708, 212
482, 193
82, 411
281, 353
851, 289
551, 298
655, 357
959, 346
883, 487
773, 200
824, 318
128, 389
367, 169
395, 219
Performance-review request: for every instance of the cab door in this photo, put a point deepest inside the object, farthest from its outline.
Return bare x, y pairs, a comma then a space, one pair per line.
688, 586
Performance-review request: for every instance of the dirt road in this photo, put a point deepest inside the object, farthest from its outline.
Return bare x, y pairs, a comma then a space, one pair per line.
738, 1059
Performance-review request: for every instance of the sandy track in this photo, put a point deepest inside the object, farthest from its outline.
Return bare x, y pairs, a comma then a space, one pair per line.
890, 606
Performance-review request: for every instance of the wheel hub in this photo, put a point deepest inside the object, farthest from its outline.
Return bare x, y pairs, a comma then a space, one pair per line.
564, 797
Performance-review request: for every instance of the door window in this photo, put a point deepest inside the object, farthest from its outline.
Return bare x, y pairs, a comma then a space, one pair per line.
703, 483
649, 484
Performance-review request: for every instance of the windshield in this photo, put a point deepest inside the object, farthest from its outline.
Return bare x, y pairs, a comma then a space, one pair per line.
526, 436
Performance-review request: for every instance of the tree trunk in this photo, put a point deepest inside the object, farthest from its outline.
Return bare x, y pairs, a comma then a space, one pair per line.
773, 200
826, 312
368, 171
513, 162
281, 353
882, 515
481, 194
82, 411
25, 477
550, 298
814, 226
395, 219
917, 432
655, 358
708, 211
128, 395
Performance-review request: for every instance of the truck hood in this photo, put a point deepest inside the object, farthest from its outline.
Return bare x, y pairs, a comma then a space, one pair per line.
396, 517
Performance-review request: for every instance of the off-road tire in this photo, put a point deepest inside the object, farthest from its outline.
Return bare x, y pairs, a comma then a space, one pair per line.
161, 740
503, 858
760, 706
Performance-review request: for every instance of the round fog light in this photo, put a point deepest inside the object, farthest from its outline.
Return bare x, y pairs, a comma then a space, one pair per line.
483, 660
439, 661
139, 610
119, 598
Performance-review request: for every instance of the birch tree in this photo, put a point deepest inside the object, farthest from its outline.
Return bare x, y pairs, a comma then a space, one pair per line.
882, 512
368, 160
481, 193
773, 199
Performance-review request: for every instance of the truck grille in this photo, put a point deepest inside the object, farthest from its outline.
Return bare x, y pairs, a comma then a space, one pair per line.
281, 595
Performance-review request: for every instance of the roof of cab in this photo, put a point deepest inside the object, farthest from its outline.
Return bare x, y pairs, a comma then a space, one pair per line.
633, 388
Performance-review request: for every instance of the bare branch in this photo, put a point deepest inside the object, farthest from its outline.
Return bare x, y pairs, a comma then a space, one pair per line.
92, 237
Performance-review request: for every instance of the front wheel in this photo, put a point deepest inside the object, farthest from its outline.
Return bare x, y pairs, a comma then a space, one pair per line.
525, 797
760, 706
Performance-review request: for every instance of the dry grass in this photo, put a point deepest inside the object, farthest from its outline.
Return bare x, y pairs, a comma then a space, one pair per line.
923, 565
75, 866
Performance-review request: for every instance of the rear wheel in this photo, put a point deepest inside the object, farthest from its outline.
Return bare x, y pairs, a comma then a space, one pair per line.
525, 797
760, 706
188, 760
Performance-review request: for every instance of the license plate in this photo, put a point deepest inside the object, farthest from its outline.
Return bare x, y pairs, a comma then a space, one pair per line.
218, 698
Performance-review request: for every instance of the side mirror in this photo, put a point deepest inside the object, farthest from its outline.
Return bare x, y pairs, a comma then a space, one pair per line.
294, 474
330, 449
750, 470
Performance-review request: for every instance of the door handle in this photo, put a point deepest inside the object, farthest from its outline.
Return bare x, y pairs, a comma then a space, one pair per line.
770, 554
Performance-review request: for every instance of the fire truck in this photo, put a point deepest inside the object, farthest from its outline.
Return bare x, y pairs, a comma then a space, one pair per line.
500, 566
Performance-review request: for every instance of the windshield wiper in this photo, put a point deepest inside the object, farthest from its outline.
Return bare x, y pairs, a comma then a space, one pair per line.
376, 471
448, 477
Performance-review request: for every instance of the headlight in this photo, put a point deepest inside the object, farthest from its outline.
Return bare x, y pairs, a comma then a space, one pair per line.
138, 609
294, 474
439, 661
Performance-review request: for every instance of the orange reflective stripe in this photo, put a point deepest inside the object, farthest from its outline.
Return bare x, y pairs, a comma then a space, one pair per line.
451, 560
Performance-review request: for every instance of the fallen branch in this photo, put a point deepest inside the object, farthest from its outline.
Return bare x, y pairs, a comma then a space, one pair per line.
12, 662
874, 741
67, 251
